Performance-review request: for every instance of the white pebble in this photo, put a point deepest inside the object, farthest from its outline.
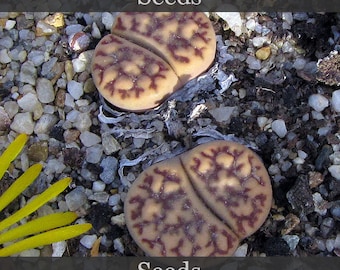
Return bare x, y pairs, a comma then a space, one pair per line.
318, 102
75, 199
75, 89
94, 154
336, 100
28, 102
222, 114
23, 123
88, 240
98, 186
89, 139
279, 127
10, 24
259, 41
107, 20
335, 171
299, 63
253, 63
45, 123
78, 65
118, 245
58, 249
95, 31
241, 251
262, 121
45, 91
114, 199
4, 58
234, 21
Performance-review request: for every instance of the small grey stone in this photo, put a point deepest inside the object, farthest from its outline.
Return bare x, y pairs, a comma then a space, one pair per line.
100, 197
98, 186
335, 171
75, 199
47, 68
110, 144
88, 240
75, 89
4, 57
6, 42
335, 211
292, 241
73, 28
279, 127
45, 90
107, 20
83, 122
327, 226
253, 63
37, 57
89, 139
23, 123
318, 102
114, 199
45, 123
28, 73
94, 154
28, 102
336, 100
110, 166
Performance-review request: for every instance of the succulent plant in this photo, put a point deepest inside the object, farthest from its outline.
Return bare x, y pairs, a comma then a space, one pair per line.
43, 230
148, 56
201, 203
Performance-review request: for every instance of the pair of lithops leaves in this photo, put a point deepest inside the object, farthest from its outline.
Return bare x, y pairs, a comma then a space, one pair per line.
200, 203
148, 56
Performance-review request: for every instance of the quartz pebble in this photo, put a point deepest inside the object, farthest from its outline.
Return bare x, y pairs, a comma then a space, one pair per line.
318, 102
279, 127
23, 123
88, 240
75, 89
110, 166
45, 91
336, 100
75, 199
89, 139
335, 171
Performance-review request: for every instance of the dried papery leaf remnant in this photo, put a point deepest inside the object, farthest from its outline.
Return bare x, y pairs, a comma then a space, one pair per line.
201, 203
329, 69
148, 56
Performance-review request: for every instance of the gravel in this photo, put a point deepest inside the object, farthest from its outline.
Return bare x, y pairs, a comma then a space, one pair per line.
264, 90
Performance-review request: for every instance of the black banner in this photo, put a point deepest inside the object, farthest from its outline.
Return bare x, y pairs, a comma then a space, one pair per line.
170, 5
148, 263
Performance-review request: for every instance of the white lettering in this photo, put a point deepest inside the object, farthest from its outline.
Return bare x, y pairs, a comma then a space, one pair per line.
140, 265
185, 267
169, 2
142, 3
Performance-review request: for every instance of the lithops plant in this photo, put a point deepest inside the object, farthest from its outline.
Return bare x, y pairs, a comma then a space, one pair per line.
148, 56
201, 203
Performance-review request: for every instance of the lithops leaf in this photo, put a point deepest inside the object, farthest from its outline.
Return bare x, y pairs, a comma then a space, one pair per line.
131, 77
186, 40
201, 203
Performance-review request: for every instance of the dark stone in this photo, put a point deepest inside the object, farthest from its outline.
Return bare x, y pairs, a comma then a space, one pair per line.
100, 216
73, 157
57, 132
323, 157
300, 196
276, 246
